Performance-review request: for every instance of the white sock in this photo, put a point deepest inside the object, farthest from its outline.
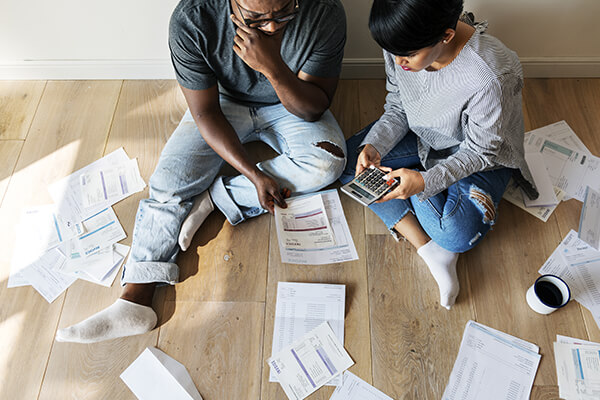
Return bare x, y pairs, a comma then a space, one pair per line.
442, 265
122, 318
203, 206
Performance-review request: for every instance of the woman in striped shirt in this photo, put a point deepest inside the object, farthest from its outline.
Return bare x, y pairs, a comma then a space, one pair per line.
452, 131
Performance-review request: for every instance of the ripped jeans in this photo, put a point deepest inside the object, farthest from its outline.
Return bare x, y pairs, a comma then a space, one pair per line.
311, 156
457, 218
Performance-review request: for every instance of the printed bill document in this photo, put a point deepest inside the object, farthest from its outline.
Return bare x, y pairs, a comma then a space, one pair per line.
313, 230
310, 362
300, 308
492, 365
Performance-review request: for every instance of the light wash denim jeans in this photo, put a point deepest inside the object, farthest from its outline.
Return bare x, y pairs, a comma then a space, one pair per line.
188, 166
457, 218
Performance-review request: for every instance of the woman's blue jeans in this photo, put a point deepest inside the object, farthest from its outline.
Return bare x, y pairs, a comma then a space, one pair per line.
457, 218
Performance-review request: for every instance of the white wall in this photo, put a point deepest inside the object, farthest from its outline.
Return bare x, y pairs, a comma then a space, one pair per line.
79, 39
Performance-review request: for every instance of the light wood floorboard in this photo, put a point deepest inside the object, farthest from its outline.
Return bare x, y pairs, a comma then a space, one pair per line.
18, 102
219, 321
9, 152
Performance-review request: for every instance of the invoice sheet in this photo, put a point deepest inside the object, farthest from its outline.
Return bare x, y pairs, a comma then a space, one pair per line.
584, 261
43, 275
569, 169
354, 388
537, 166
92, 272
304, 224
101, 186
310, 362
557, 265
491, 367
578, 370
300, 308
559, 132
103, 229
73, 194
571, 340
514, 195
156, 376
46, 228
342, 251
589, 222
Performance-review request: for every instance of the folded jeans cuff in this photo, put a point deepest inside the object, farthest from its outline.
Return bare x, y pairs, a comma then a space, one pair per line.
150, 272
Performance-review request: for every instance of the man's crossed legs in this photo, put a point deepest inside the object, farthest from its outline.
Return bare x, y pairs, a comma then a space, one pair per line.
311, 156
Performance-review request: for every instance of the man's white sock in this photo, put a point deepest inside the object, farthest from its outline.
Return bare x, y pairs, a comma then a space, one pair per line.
122, 318
442, 265
203, 206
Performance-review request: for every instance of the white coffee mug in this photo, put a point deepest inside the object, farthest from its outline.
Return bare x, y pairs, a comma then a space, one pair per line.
547, 294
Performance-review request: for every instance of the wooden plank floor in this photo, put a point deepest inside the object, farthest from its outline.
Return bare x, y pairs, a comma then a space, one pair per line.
219, 320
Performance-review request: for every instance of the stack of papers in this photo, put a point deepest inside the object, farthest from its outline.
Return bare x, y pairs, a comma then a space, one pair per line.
76, 237
578, 264
577, 368
562, 168
313, 230
300, 308
156, 376
492, 365
310, 362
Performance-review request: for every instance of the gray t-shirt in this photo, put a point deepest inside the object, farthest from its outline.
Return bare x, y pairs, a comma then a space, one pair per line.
201, 41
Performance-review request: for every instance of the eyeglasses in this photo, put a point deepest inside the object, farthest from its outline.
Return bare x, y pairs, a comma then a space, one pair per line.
256, 23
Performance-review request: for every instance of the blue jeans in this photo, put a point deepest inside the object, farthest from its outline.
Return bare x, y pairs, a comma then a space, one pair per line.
457, 218
188, 166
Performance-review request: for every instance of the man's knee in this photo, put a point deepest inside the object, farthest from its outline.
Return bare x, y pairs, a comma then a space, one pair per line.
331, 148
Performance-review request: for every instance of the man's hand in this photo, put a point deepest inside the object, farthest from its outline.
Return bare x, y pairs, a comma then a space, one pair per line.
269, 193
260, 51
367, 157
411, 183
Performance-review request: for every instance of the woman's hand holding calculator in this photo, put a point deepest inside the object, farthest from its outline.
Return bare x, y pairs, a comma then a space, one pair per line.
411, 183
367, 157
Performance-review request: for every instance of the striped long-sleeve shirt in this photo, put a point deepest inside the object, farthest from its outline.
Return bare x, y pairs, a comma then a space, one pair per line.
467, 116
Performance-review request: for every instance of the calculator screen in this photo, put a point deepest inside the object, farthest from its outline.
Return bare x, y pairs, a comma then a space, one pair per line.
361, 191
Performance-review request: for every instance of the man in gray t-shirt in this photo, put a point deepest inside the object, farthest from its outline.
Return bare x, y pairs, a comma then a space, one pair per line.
249, 70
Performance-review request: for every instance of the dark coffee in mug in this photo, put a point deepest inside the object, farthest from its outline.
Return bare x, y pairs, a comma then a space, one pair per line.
548, 293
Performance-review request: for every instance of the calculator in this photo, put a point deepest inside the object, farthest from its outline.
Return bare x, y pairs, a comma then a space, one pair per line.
369, 186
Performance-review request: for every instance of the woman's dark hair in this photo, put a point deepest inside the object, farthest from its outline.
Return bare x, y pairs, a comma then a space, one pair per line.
403, 26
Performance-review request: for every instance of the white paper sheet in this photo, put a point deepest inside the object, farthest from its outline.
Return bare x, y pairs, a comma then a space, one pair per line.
310, 362
46, 228
39, 229
559, 132
578, 370
342, 251
589, 222
43, 275
491, 366
103, 229
354, 388
304, 224
99, 269
300, 308
68, 193
569, 169
557, 265
537, 166
156, 376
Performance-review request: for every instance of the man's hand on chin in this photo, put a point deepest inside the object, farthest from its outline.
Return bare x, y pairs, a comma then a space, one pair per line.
259, 50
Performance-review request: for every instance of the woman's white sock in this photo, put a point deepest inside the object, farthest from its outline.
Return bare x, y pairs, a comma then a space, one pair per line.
203, 206
442, 265
122, 318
